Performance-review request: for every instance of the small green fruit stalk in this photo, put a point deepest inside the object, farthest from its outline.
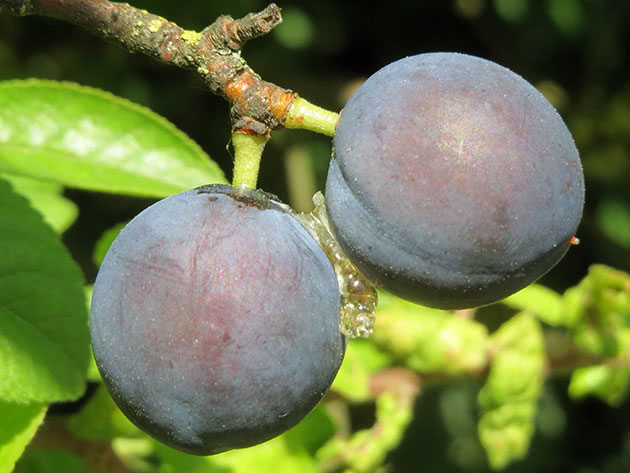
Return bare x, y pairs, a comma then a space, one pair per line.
358, 295
248, 148
248, 151
306, 116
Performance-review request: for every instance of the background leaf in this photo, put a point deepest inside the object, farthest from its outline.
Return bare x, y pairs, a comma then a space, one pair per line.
540, 300
366, 449
92, 371
510, 396
44, 346
608, 383
49, 460
313, 431
46, 197
613, 217
429, 340
362, 359
90, 139
100, 418
275, 455
599, 311
105, 241
19, 424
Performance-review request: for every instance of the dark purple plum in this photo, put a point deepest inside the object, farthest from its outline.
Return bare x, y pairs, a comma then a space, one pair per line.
215, 320
454, 182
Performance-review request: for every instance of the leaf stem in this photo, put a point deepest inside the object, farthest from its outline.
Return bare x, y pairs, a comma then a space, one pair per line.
247, 154
306, 116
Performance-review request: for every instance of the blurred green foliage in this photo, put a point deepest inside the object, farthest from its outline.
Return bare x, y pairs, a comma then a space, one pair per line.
578, 53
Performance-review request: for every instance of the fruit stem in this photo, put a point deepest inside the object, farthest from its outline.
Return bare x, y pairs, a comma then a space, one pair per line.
306, 116
247, 154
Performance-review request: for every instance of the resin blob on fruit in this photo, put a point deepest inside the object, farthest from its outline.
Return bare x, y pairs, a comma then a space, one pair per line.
215, 320
454, 182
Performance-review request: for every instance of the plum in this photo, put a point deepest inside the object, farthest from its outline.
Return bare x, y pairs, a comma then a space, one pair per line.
215, 320
454, 182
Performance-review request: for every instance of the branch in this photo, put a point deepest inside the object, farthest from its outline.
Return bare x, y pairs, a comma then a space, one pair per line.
214, 53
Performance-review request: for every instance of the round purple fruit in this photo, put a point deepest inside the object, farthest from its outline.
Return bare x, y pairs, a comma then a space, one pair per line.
454, 182
215, 320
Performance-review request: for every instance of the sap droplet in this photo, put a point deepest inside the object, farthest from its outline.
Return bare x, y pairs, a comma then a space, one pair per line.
358, 295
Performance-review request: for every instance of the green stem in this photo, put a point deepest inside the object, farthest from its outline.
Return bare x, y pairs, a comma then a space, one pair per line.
247, 154
306, 116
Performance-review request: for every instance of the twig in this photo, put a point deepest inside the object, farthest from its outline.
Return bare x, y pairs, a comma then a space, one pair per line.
214, 53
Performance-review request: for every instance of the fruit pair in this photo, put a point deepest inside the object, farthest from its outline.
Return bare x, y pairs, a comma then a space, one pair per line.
215, 313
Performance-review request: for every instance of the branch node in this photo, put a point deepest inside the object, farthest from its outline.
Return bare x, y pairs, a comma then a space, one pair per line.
253, 25
214, 53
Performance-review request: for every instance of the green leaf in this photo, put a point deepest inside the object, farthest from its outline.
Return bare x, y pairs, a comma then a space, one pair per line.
173, 461
100, 418
502, 387
512, 11
540, 300
92, 371
610, 384
296, 30
275, 455
288, 453
313, 431
44, 342
613, 217
105, 241
429, 340
138, 454
521, 334
48, 460
366, 450
506, 432
599, 308
19, 425
46, 198
93, 374
362, 359
89, 139
509, 398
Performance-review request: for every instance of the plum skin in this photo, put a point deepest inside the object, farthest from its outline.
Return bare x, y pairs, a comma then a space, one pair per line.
215, 320
454, 182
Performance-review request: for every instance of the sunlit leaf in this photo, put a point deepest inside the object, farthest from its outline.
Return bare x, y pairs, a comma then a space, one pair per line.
18, 426
44, 345
46, 197
540, 300
509, 398
429, 340
610, 384
365, 450
89, 139
362, 359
